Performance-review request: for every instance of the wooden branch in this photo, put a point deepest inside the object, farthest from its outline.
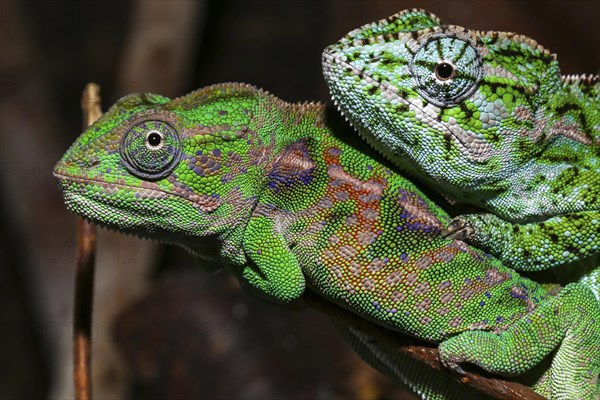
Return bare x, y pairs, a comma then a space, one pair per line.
84, 278
428, 354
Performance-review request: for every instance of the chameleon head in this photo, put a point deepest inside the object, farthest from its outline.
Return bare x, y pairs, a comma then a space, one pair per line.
152, 166
440, 99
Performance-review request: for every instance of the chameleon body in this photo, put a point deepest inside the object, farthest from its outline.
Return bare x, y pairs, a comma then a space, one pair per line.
486, 119
292, 205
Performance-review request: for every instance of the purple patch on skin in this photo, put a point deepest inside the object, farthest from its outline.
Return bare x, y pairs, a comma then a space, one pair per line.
199, 171
334, 151
216, 153
518, 294
286, 172
305, 178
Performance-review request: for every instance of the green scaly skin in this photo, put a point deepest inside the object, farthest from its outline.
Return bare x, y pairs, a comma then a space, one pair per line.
486, 119
292, 205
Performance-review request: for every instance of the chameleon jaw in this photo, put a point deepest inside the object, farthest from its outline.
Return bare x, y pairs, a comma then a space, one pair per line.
114, 219
78, 200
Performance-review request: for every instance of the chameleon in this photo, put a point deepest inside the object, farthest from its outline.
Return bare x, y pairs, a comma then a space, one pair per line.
486, 119
288, 204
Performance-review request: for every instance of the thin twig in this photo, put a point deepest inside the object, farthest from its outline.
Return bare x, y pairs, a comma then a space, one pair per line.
84, 279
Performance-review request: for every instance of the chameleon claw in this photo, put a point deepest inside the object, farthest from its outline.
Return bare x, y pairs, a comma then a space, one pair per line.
458, 369
452, 366
459, 229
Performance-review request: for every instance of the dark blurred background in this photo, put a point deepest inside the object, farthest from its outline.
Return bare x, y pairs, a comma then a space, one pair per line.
163, 327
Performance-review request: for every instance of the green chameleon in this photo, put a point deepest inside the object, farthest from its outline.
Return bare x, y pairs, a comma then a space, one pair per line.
486, 119
292, 205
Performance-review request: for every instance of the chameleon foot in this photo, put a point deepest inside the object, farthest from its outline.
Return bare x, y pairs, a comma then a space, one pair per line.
459, 229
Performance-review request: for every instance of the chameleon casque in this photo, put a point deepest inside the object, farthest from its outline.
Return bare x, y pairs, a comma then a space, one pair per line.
486, 119
293, 205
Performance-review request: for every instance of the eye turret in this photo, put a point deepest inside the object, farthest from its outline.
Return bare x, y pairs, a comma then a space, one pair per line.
151, 149
447, 70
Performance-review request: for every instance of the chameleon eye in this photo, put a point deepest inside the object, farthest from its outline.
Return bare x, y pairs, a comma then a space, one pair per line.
151, 149
154, 140
447, 70
444, 71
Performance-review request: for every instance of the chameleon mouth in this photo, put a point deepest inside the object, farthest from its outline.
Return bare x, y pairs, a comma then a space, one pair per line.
133, 221
145, 190
75, 201
65, 178
98, 206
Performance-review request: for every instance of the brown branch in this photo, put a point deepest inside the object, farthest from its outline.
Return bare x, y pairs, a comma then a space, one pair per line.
84, 279
428, 354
